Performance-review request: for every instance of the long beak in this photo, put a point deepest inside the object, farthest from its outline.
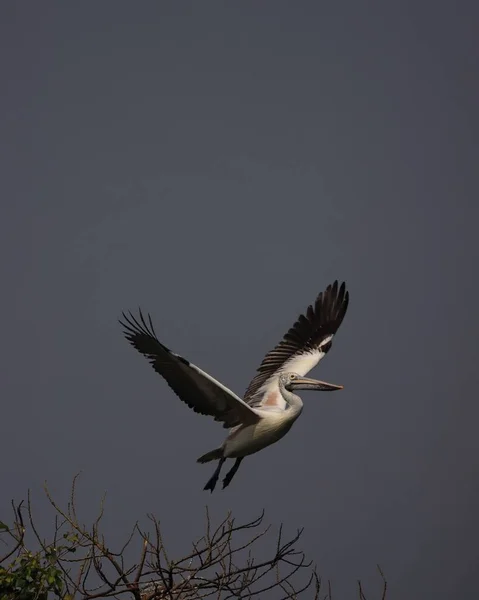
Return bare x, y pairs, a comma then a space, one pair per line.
305, 383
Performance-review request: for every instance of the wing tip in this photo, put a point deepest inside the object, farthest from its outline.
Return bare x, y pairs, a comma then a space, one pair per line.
332, 304
137, 325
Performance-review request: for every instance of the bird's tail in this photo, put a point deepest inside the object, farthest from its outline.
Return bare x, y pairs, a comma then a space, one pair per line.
215, 454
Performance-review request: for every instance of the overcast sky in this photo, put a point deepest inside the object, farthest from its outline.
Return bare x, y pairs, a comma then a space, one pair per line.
220, 164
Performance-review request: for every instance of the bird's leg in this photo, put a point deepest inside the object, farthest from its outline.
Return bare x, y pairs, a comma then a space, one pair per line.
232, 472
214, 478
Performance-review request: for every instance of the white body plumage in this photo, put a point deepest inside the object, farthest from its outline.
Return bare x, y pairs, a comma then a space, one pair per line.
271, 427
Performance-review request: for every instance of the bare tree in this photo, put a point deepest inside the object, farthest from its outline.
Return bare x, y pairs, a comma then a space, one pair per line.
77, 562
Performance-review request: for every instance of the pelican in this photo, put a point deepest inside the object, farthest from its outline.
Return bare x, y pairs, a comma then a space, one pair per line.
270, 406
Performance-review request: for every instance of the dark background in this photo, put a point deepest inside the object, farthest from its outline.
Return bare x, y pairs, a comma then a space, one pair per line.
219, 164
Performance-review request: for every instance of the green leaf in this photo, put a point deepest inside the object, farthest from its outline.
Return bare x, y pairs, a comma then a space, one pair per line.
3, 526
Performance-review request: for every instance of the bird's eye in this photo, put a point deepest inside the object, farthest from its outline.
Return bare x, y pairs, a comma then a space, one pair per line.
292, 376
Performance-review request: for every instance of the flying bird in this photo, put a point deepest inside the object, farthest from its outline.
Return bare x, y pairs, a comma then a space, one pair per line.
270, 406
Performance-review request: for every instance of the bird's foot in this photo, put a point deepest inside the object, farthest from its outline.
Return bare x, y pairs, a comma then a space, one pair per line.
231, 473
211, 484
229, 476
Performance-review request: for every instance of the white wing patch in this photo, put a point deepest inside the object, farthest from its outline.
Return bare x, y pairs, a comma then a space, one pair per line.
302, 364
246, 413
269, 396
324, 342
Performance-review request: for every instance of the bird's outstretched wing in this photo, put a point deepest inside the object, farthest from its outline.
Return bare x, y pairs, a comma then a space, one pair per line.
196, 388
302, 347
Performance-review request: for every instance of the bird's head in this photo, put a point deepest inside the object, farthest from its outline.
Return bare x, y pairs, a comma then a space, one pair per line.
293, 381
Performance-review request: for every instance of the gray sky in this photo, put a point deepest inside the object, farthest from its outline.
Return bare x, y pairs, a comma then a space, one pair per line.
219, 164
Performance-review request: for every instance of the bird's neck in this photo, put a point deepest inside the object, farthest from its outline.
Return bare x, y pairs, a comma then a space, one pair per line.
295, 404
